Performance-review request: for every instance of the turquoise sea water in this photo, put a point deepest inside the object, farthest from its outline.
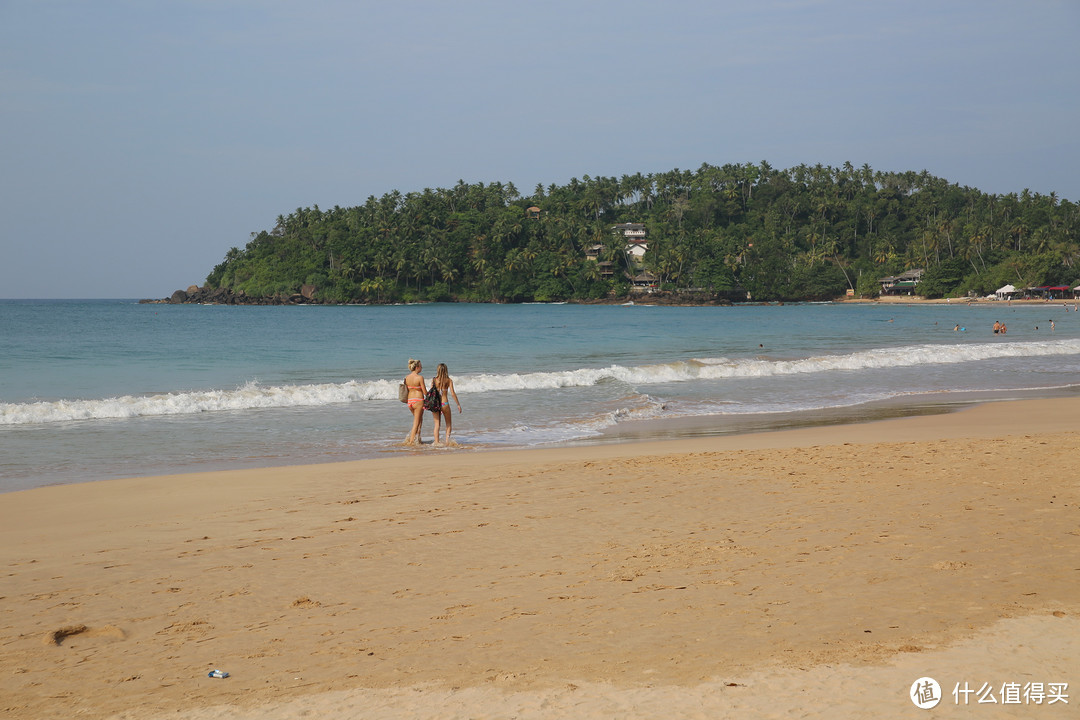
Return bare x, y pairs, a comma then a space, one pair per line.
98, 389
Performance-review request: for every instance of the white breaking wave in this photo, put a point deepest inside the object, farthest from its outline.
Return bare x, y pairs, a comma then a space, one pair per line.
255, 396
880, 358
721, 368
249, 397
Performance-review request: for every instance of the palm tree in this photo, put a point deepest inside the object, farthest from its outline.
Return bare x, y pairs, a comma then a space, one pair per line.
884, 251
592, 272
830, 249
562, 267
1018, 230
449, 273
373, 285
974, 250
513, 261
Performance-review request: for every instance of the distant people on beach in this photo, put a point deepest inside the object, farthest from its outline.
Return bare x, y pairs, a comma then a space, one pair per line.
414, 381
445, 385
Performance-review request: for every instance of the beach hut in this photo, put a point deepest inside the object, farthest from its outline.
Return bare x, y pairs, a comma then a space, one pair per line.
902, 284
1057, 292
1005, 292
643, 282
1049, 292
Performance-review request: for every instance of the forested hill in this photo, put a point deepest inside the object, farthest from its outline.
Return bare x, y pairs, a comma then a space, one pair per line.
803, 233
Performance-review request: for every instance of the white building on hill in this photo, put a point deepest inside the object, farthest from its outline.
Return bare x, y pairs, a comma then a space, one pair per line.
634, 235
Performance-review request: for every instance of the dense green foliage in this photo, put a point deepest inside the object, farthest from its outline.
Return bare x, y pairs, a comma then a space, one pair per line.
799, 234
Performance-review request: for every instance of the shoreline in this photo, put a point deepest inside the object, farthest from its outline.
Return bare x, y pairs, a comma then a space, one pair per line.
661, 298
926, 404
652, 430
905, 300
599, 580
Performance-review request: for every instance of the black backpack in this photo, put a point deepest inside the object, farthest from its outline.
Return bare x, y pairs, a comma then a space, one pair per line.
433, 399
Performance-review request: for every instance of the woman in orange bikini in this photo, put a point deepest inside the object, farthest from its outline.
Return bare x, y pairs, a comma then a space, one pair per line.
415, 382
445, 387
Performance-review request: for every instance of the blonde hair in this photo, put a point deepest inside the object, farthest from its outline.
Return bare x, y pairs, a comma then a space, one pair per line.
441, 373
413, 364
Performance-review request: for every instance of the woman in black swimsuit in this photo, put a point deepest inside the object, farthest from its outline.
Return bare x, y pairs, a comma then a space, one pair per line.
445, 386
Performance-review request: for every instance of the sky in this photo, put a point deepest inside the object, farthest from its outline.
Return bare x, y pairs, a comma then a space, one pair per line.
140, 141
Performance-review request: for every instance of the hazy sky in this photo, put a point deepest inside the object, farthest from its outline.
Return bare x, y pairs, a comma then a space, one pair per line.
140, 140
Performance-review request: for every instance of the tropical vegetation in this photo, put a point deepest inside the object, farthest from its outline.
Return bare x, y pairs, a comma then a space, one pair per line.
740, 231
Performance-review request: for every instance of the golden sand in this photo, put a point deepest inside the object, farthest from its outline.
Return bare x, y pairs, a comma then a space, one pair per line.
813, 572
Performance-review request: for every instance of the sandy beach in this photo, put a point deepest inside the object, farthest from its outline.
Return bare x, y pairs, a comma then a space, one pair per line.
816, 572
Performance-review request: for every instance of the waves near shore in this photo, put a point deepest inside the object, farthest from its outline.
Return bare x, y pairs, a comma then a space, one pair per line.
253, 395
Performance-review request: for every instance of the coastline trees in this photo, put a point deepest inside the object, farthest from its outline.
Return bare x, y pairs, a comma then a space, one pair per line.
802, 233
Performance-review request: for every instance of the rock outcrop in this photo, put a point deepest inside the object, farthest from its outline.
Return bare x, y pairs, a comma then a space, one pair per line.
195, 295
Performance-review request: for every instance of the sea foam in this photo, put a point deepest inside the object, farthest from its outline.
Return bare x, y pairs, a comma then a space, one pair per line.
255, 396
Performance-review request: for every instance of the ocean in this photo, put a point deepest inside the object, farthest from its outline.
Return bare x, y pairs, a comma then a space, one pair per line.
101, 389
